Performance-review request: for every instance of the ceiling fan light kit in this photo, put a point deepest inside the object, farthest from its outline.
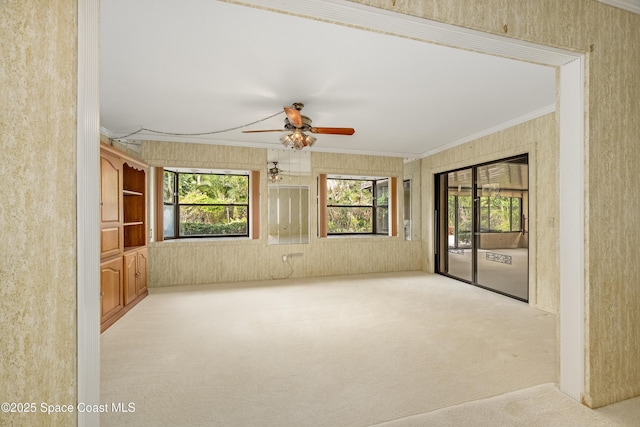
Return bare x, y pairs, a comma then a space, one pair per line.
298, 140
298, 124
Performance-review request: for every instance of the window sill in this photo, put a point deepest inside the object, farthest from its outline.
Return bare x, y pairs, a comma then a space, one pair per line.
356, 237
206, 241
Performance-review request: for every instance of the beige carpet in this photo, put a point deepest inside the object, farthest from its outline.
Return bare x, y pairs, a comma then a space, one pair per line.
539, 406
340, 351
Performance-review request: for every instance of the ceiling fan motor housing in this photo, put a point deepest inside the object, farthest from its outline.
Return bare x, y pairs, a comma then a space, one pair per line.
306, 124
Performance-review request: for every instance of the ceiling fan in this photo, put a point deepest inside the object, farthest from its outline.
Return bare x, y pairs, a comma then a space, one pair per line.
298, 124
275, 173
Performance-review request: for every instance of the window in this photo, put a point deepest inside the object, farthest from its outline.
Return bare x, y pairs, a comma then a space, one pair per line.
205, 204
500, 214
357, 206
460, 216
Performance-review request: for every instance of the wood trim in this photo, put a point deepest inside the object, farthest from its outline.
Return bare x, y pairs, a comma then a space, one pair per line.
159, 208
322, 205
132, 161
87, 149
393, 189
254, 189
572, 233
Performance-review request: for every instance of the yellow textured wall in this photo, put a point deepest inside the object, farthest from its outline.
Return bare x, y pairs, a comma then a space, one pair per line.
201, 261
349, 255
613, 203
538, 138
611, 39
37, 212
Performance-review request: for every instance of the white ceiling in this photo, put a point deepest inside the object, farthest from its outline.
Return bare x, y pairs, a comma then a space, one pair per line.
630, 5
195, 66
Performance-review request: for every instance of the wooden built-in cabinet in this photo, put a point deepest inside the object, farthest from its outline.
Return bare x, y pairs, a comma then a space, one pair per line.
123, 234
135, 276
111, 280
110, 205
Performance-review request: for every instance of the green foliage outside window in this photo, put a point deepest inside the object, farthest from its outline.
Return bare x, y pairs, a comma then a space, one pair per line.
207, 204
497, 214
353, 205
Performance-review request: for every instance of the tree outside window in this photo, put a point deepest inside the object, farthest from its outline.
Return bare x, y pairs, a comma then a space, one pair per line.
357, 206
205, 204
500, 214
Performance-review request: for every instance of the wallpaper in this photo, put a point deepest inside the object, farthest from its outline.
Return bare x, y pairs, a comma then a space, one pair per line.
538, 138
38, 211
197, 261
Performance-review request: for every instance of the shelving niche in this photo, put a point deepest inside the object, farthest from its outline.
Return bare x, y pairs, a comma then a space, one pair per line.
134, 206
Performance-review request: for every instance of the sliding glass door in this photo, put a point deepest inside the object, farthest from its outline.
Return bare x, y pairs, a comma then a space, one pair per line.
481, 225
456, 219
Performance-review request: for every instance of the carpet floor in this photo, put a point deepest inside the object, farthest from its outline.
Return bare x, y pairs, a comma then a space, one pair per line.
338, 351
538, 406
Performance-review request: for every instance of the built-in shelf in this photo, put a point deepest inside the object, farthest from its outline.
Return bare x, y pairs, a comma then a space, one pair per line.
131, 248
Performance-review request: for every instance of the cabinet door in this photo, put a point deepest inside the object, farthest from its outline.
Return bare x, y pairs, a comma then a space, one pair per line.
141, 283
111, 295
110, 188
110, 205
130, 277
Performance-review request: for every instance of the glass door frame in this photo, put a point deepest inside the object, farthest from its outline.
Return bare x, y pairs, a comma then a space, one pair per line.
441, 248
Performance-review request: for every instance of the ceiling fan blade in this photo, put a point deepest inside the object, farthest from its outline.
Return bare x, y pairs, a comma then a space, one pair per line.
334, 131
294, 116
266, 130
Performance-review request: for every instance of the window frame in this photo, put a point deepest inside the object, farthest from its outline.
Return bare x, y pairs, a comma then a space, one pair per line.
375, 183
176, 202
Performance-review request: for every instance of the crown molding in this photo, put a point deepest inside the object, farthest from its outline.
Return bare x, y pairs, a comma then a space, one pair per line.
106, 132
502, 126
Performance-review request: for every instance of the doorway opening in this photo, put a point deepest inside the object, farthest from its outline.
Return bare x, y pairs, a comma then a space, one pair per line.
482, 226
571, 169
